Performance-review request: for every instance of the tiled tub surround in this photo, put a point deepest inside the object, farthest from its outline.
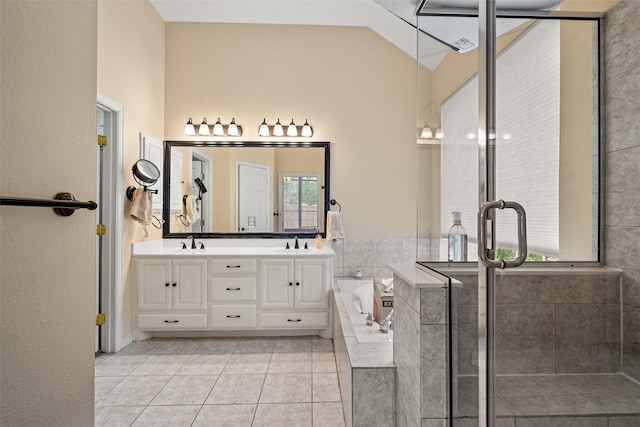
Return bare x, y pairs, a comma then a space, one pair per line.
366, 371
421, 347
373, 254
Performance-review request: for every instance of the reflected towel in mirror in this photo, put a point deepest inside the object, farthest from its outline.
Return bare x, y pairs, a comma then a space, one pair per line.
335, 230
192, 208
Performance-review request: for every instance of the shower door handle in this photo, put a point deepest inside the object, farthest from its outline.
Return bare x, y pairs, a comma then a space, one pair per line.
485, 234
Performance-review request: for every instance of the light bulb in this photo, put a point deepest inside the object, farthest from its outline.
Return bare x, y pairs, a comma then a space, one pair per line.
306, 129
277, 129
233, 128
439, 133
189, 129
218, 129
264, 128
292, 130
204, 128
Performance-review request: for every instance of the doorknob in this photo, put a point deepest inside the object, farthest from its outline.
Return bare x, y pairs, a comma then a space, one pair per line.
485, 234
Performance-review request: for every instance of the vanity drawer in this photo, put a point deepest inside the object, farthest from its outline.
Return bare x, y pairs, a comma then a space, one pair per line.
299, 320
156, 322
232, 289
233, 266
233, 316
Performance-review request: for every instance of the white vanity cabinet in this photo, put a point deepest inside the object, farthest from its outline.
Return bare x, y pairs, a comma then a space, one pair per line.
295, 293
170, 293
233, 293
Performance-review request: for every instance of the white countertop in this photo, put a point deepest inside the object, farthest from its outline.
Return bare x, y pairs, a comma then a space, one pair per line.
230, 247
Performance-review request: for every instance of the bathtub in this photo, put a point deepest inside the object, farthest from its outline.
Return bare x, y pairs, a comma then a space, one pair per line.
364, 357
357, 296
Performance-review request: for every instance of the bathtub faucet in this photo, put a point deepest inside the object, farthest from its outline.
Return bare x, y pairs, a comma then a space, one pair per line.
385, 325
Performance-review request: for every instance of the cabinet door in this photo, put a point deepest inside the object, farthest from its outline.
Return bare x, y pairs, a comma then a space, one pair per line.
190, 290
311, 289
152, 283
276, 281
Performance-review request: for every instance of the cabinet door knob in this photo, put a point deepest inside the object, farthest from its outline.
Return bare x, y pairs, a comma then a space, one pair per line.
297, 283
174, 285
290, 283
166, 284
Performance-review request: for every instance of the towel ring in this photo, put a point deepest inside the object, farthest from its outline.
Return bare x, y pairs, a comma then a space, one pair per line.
333, 202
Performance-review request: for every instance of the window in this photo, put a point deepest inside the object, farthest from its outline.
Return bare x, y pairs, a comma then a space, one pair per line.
299, 202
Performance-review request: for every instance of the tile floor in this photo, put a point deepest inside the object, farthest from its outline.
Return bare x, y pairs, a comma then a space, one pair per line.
558, 400
235, 382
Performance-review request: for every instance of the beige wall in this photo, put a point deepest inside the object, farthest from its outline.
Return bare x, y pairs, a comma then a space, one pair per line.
131, 72
357, 90
47, 274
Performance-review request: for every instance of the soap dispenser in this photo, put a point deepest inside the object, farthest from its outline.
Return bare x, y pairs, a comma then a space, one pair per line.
318, 240
358, 274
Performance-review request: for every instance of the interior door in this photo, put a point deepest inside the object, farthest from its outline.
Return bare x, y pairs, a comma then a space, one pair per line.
253, 197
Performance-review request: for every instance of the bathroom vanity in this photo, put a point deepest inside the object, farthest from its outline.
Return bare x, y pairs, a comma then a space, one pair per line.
236, 290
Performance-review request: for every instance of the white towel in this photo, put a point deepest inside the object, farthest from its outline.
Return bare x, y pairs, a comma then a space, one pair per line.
192, 209
334, 226
141, 208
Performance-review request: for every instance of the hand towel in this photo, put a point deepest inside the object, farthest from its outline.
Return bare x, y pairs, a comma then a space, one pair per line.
141, 209
334, 226
188, 208
195, 208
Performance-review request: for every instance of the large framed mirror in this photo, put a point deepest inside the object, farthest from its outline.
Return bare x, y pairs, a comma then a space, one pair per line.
245, 189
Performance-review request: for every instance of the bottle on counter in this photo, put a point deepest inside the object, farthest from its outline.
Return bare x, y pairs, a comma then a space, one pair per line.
318, 240
457, 239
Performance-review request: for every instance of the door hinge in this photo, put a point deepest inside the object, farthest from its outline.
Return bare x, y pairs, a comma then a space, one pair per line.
100, 319
102, 140
101, 229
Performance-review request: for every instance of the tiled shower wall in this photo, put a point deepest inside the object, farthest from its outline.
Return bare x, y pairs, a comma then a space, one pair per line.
622, 162
545, 324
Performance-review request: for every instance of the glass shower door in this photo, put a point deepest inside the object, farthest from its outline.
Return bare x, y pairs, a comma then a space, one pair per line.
533, 147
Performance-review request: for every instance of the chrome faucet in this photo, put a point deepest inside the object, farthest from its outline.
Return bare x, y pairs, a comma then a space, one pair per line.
296, 246
193, 242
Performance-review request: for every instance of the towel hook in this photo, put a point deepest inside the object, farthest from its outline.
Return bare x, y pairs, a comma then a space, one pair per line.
333, 202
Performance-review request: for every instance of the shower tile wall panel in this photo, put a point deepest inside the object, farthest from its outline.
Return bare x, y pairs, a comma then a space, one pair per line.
545, 324
622, 157
420, 353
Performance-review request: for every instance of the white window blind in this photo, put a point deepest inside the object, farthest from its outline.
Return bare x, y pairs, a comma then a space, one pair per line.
527, 144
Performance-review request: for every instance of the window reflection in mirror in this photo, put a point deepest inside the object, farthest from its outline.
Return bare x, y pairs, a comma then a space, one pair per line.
226, 189
547, 138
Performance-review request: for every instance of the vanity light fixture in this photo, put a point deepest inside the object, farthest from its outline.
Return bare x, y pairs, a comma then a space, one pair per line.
189, 129
204, 128
277, 129
217, 129
264, 128
293, 130
439, 133
426, 132
306, 129
232, 130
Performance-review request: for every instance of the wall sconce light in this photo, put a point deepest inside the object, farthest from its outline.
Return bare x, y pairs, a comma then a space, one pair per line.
217, 129
293, 130
427, 133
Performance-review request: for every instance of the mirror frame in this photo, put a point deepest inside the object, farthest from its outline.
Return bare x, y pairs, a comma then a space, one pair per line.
166, 186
